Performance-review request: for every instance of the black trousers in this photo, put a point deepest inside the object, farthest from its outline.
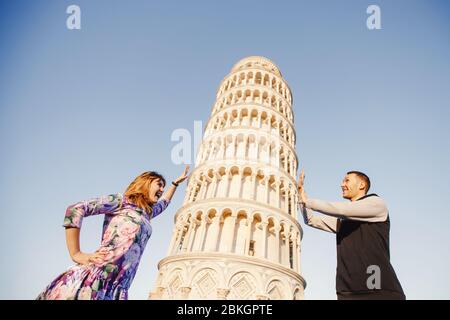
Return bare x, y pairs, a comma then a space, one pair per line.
375, 295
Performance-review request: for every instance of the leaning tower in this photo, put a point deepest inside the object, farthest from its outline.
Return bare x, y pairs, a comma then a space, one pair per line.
236, 235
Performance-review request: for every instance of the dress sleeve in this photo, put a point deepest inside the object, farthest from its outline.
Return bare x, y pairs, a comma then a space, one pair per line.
103, 205
159, 207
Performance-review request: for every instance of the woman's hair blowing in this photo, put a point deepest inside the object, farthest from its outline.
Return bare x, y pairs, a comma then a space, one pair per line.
138, 190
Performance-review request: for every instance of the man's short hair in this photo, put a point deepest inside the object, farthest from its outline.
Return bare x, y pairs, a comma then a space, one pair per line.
362, 176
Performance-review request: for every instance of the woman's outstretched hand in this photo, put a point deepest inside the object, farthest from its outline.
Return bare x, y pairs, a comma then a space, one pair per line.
183, 176
171, 190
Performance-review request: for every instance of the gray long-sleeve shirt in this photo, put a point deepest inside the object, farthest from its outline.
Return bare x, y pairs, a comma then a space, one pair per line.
371, 209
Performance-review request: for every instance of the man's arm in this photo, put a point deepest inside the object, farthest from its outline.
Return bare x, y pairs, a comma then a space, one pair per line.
372, 209
325, 223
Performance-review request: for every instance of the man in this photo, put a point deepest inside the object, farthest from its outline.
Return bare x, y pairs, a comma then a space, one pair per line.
363, 269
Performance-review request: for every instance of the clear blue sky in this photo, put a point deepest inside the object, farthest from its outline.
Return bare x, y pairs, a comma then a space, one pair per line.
83, 112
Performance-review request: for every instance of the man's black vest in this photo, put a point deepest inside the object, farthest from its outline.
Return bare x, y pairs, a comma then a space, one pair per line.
361, 245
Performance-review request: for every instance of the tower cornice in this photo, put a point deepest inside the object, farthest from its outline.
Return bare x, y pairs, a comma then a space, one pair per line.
252, 105
245, 129
271, 66
236, 202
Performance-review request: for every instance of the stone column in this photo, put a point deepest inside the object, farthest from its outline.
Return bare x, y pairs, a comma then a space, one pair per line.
192, 234
291, 137
278, 197
241, 182
179, 234
293, 204
172, 242
227, 176
286, 198
201, 151
257, 148
230, 81
208, 152
188, 194
187, 237
182, 237
294, 252
240, 239
217, 221
291, 166
192, 189
201, 234
202, 192
215, 233
245, 147
248, 236
288, 255
228, 123
234, 144
230, 238
266, 182
286, 160
215, 184
295, 166
277, 229
264, 225
253, 186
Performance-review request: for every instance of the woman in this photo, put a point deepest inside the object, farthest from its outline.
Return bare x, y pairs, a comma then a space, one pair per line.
108, 273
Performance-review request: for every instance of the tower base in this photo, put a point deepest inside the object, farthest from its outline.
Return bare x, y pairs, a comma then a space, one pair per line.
209, 275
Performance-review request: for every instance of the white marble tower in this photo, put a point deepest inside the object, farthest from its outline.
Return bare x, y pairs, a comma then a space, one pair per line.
236, 235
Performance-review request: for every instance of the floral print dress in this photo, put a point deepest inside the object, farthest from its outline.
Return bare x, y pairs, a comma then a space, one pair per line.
126, 230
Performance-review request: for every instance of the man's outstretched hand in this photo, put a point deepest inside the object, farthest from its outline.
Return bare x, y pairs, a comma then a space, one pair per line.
301, 189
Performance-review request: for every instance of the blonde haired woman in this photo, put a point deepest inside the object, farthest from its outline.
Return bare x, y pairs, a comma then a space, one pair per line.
108, 273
